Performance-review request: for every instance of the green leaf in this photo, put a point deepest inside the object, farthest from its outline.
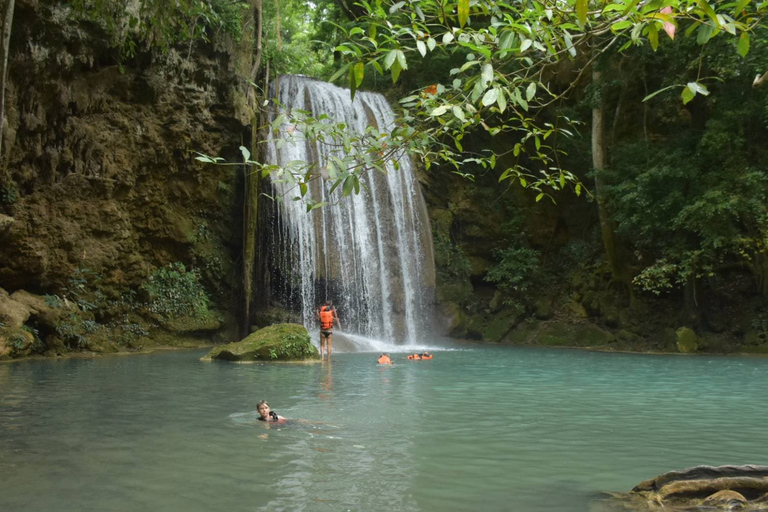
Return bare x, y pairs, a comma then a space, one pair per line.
395, 70
401, 59
442, 109
490, 97
456, 112
396, 7
698, 88
653, 36
704, 34
422, 48
688, 94
447, 37
530, 92
525, 45
743, 44
340, 72
523, 182
352, 84
538, 197
463, 9
431, 43
659, 92
740, 7
245, 152
359, 73
578, 189
390, 59
581, 11
349, 186
303, 189
487, 73
506, 40
501, 101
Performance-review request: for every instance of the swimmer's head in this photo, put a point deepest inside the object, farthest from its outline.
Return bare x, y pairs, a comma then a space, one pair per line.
263, 409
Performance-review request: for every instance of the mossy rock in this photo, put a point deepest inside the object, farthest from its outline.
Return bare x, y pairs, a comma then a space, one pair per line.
455, 321
687, 340
204, 323
274, 315
15, 343
279, 342
501, 324
543, 308
475, 327
523, 333
561, 334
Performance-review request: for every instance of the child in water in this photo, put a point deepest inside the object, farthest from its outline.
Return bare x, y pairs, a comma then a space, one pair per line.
266, 414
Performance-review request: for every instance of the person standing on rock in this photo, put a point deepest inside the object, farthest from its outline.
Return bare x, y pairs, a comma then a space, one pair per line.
327, 315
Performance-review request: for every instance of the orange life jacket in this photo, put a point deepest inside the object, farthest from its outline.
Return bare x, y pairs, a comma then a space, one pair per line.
326, 318
385, 360
427, 357
414, 356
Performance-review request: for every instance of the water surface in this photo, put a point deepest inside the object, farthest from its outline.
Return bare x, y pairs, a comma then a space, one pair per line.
485, 428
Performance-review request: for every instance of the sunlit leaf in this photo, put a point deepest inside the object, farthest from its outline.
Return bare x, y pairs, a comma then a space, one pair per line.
359, 73
743, 44
581, 11
463, 10
490, 97
422, 48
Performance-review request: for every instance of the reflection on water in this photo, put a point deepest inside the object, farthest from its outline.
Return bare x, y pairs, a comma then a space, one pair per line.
478, 428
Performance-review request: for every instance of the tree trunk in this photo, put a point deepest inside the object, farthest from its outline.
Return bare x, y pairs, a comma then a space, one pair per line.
607, 227
7, 24
258, 27
251, 182
277, 26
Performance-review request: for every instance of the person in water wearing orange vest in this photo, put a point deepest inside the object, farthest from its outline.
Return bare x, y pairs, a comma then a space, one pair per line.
414, 356
385, 359
426, 355
327, 315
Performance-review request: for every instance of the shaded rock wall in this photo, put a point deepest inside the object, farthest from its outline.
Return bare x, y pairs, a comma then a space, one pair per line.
98, 168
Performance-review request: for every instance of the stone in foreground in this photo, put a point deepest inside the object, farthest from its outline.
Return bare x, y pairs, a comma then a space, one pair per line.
712, 488
279, 342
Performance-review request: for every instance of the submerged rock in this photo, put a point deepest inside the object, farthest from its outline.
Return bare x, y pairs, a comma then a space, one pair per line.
699, 488
279, 342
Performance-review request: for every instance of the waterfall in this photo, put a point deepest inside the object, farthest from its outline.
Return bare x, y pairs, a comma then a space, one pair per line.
371, 253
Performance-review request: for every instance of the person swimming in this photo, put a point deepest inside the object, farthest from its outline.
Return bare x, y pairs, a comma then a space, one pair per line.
414, 356
385, 359
426, 355
266, 414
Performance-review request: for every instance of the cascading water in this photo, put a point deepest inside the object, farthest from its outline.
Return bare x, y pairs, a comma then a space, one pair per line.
371, 253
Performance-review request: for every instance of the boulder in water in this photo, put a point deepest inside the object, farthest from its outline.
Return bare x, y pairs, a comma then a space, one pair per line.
700, 488
279, 342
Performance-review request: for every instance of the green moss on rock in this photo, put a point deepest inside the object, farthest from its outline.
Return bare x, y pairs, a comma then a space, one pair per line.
561, 334
687, 340
279, 342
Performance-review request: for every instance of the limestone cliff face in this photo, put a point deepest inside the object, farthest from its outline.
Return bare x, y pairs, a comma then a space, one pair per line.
98, 169
98, 174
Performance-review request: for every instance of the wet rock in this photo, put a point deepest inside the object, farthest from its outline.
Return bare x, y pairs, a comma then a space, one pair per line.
712, 488
279, 342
